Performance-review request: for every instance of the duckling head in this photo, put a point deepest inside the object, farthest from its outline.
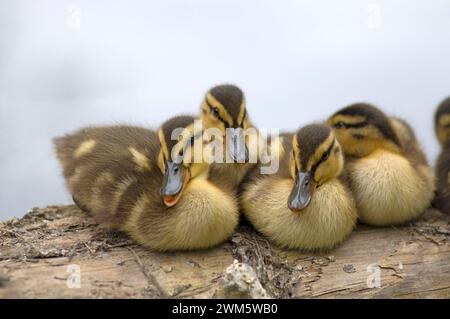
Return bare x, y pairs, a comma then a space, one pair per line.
178, 158
224, 108
315, 159
362, 128
442, 121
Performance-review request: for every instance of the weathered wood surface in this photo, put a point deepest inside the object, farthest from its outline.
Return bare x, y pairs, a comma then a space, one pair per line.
35, 251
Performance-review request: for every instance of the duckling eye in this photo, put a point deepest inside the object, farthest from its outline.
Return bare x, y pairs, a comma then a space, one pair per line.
325, 156
340, 124
215, 112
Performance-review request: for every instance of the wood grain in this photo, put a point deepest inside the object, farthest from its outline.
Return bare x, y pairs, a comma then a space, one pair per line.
413, 262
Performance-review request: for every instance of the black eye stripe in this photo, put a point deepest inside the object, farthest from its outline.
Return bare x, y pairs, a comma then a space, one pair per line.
219, 117
358, 136
323, 159
357, 125
328, 151
194, 138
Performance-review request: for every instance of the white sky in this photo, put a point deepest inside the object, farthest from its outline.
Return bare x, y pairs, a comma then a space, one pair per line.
144, 61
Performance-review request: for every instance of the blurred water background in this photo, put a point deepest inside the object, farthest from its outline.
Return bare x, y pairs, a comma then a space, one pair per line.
65, 64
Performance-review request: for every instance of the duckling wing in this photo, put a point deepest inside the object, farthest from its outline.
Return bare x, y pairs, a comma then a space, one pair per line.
409, 143
103, 167
92, 144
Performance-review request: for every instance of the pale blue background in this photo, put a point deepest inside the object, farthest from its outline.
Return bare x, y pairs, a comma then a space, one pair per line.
142, 61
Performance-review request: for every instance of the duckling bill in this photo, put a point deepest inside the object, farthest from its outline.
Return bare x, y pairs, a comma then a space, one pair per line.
386, 167
129, 179
306, 204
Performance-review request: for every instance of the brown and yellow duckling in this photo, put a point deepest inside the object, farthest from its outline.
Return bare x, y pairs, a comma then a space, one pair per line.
224, 108
306, 204
388, 173
442, 127
145, 184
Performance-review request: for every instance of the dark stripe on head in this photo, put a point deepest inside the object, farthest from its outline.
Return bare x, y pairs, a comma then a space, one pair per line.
358, 125
170, 125
309, 139
323, 158
231, 97
227, 125
443, 109
373, 116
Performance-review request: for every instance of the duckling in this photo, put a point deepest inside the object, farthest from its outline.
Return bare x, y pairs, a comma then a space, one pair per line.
387, 170
146, 184
442, 127
306, 204
224, 108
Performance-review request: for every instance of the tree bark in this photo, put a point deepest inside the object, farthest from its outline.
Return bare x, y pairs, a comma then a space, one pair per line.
59, 252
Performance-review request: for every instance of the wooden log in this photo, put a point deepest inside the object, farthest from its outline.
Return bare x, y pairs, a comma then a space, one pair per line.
43, 254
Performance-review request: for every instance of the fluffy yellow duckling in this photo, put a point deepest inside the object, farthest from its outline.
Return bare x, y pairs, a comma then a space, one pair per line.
147, 185
305, 205
388, 173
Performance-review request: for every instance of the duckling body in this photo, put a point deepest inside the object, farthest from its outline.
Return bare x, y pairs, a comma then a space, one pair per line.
388, 189
442, 127
204, 217
386, 168
115, 173
330, 214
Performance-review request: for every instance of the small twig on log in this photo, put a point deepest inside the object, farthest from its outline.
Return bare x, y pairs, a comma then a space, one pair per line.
89, 248
148, 275
430, 238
